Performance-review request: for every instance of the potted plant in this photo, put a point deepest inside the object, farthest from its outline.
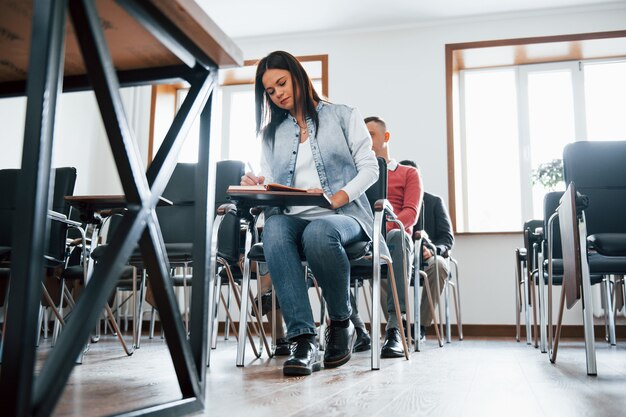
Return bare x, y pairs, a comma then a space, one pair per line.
549, 174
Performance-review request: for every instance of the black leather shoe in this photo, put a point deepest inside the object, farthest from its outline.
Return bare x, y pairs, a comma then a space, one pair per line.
406, 331
282, 347
339, 342
266, 303
363, 341
303, 360
392, 348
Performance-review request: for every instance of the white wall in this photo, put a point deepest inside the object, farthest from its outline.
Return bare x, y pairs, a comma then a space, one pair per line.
400, 76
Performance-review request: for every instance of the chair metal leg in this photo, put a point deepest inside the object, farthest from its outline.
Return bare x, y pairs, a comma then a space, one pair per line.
446, 290
526, 299
457, 296
142, 301
618, 291
609, 319
230, 319
273, 322
553, 341
229, 296
136, 314
459, 317
411, 335
117, 331
152, 321
432, 308
590, 347
96, 335
57, 323
367, 296
439, 294
46, 323
213, 295
416, 307
323, 322
185, 299
518, 296
39, 325
243, 309
378, 219
542, 305
533, 302
215, 306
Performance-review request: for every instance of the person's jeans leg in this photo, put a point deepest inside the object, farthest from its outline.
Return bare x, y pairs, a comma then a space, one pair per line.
281, 238
426, 316
323, 241
355, 317
394, 243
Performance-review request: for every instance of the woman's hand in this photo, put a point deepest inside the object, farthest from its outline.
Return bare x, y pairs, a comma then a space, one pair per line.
251, 179
339, 199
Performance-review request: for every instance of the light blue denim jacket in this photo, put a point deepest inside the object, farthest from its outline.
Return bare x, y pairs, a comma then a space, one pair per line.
336, 159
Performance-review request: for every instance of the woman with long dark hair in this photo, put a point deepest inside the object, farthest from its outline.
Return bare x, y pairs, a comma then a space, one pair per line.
316, 145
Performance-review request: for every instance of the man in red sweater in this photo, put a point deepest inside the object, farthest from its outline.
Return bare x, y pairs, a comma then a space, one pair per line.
405, 193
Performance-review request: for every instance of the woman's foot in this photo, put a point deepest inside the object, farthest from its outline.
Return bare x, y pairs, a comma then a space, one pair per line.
339, 342
303, 360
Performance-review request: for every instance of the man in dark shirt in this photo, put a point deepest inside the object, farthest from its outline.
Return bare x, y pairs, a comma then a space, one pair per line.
435, 222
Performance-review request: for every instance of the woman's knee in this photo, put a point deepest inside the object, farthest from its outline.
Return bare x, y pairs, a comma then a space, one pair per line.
275, 226
320, 235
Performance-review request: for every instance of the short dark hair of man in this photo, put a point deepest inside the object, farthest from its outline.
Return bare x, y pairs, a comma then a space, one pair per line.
376, 119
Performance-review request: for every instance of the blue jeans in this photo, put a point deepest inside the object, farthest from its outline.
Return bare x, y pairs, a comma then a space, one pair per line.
322, 241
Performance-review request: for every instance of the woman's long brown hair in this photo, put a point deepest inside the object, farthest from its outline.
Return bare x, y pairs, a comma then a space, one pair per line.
269, 115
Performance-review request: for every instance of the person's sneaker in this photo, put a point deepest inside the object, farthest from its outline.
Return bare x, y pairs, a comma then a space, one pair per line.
422, 334
283, 347
304, 359
392, 348
363, 341
339, 342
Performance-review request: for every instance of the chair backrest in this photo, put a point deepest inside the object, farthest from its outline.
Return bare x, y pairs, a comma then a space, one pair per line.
64, 181
428, 219
228, 239
550, 204
598, 169
8, 185
378, 190
375, 192
227, 173
420, 224
178, 220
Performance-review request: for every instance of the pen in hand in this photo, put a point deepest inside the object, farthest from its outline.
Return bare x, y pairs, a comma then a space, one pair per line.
251, 177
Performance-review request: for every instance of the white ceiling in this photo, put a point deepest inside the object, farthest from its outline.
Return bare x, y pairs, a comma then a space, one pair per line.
248, 18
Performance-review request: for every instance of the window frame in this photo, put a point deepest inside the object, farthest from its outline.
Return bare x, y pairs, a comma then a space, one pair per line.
506, 52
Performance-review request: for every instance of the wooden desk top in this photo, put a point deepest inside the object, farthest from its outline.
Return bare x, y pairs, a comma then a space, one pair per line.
278, 198
143, 52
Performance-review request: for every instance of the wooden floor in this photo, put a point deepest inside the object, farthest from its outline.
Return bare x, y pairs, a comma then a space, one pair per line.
475, 377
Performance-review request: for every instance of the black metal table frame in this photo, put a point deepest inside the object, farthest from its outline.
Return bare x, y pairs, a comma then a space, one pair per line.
21, 393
